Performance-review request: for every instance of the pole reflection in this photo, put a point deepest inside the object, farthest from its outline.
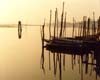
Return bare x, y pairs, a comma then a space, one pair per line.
89, 62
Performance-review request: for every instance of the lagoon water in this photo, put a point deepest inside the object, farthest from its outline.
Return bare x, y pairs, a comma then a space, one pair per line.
20, 59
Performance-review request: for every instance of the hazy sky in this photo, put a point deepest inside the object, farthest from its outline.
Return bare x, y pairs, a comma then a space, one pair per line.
34, 11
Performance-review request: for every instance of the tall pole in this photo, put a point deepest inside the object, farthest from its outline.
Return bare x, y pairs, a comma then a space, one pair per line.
64, 30
55, 23
84, 26
50, 24
88, 29
43, 34
94, 27
73, 27
62, 20
99, 25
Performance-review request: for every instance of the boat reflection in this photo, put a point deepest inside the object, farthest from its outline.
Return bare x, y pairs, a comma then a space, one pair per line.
87, 60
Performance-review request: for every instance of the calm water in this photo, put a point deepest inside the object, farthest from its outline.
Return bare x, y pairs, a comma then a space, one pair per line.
20, 59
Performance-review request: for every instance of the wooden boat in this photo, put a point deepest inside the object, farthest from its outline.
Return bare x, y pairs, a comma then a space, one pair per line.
73, 45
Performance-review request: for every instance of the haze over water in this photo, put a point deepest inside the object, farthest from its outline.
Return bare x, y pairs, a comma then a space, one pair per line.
34, 11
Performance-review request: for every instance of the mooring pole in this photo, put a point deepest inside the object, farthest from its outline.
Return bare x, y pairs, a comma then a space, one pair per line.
55, 23
43, 34
88, 29
73, 28
50, 24
64, 30
84, 26
19, 29
99, 25
62, 21
94, 27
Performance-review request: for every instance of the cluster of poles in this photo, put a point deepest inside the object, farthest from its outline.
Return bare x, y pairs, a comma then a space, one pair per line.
88, 27
62, 32
85, 28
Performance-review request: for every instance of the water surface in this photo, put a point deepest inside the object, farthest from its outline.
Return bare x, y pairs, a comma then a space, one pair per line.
20, 59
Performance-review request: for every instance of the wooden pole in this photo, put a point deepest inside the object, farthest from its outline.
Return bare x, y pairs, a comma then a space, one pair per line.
73, 27
94, 27
50, 24
50, 37
88, 28
19, 29
64, 29
62, 21
43, 36
99, 25
55, 23
81, 33
84, 26
79, 28
42, 55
